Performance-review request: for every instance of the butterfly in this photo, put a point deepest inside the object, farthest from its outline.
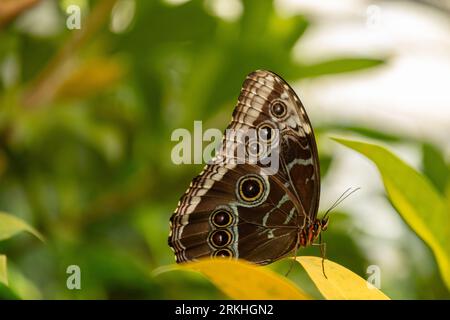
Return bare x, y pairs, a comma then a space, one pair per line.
245, 209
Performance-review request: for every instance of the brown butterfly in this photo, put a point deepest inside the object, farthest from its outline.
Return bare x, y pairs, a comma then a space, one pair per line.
247, 210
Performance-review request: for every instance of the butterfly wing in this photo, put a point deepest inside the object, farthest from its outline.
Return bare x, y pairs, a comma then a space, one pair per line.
246, 210
261, 92
212, 219
299, 156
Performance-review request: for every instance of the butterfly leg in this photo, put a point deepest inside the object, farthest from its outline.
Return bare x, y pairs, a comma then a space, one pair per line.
323, 253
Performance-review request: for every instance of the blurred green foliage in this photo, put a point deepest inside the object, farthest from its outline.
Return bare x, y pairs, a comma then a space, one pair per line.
85, 124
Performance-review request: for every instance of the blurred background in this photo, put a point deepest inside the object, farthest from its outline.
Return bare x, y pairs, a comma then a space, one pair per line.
86, 117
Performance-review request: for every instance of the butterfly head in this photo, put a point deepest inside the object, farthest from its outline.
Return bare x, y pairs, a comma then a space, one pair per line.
308, 235
318, 226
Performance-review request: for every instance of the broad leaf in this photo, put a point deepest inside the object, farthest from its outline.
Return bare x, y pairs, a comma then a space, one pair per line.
339, 283
11, 225
415, 198
244, 281
435, 167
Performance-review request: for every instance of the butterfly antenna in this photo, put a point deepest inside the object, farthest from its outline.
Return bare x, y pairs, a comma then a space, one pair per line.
347, 193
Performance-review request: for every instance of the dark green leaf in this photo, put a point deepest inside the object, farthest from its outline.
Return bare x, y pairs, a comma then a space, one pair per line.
435, 167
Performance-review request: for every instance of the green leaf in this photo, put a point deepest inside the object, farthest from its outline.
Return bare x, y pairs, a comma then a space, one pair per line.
340, 283
3, 270
288, 30
6, 293
337, 66
363, 131
415, 198
435, 167
21, 286
11, 225
325, 164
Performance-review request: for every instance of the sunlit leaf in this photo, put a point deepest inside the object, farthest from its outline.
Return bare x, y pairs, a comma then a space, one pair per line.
415, 198
242, 280
340, 283
11, 225
3, 270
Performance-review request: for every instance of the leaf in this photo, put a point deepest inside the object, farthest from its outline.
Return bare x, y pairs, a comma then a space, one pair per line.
415, 199
3, 270
364, 131
11, 225
337, 66
244, 281
287, 30
20, 286
325, 163
6, 293
341, 283
435, 167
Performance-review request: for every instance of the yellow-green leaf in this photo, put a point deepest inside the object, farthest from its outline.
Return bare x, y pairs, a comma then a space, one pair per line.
340, 283
11, 225
3, 270
415, 198
244, 281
